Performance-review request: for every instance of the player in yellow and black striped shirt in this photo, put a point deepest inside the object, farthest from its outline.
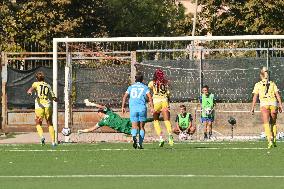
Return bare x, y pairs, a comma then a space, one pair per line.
43, 105
159, 86
270, 105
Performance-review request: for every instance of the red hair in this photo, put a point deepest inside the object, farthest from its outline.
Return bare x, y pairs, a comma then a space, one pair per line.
160, 77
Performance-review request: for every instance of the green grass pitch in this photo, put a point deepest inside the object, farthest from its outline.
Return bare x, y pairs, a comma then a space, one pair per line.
103, 165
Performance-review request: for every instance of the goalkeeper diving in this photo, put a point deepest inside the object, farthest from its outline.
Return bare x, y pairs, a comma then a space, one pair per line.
110, 119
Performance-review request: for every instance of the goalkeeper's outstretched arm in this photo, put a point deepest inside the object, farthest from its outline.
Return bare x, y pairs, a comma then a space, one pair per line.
88, 103
91, 129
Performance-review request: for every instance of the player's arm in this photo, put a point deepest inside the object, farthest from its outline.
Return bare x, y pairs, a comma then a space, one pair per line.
190, 123
177, 125
150, 102
254, 99
214, 106
52, 94
123, 102
30, 91
279, 101
214, 102
91, 129
88, 103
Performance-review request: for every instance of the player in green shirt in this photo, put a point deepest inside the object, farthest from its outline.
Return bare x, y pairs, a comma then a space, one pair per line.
208, 103
184, 122
110, 119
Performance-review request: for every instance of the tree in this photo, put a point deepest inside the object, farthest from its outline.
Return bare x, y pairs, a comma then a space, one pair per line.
146, 18
35, 21
28, 22
240, 17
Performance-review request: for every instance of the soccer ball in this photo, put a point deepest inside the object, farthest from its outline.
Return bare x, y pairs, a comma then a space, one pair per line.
66, 131
208, 111
280, 136
183, 135
262, 136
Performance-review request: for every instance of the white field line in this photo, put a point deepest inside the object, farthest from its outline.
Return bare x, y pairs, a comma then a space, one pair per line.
122, 149
141, 176
177, 143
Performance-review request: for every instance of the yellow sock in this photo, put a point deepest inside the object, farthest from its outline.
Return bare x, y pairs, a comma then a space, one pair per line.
157, 127
39, 131
52, 133
267, 131
168, 126
274, 130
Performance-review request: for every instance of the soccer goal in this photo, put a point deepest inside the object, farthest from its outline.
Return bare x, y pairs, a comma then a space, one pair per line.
100, 69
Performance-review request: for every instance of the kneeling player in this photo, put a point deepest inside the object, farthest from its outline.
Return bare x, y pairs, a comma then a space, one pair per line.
184, 122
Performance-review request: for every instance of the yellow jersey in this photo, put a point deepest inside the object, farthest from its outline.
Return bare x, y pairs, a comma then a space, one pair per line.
160, 92
44, 94
266, 97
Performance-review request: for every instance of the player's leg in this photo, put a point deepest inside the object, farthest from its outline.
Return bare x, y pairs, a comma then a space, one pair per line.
134, 130
166, 116
210, 129
273, 118
157, 127
141, 134
39, 114
265, 115
142, 119
191, 130
156, 115
176, 130
205, 123
48, 116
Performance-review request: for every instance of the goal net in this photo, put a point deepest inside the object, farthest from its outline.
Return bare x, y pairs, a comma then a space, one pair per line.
101, 69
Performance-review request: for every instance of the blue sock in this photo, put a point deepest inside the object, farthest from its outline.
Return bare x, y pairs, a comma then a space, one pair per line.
134, 133
141, 137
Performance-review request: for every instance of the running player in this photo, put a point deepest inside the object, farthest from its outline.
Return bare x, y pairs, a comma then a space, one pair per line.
138, 93
268, 95
208, 104
159, 86
43, 106
184, 122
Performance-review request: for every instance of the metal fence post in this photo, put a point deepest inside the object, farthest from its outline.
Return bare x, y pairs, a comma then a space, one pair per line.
133, 68
201, 71
4, 91
267, 59
200, 88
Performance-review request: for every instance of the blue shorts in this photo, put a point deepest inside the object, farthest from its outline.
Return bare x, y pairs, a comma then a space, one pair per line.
138, 116
207, 119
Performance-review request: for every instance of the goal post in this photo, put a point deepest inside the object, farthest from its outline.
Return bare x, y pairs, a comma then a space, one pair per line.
148, 51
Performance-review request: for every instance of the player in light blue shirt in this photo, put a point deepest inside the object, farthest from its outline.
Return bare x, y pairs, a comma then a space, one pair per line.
138, 93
